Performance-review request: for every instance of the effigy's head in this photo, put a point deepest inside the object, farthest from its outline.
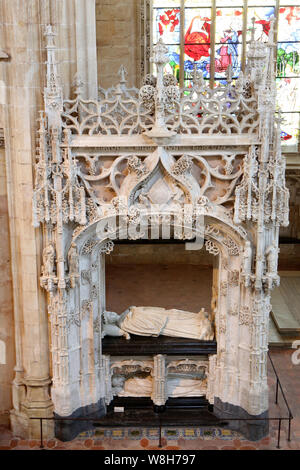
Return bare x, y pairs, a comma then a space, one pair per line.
117, 381
110, 317
204, 313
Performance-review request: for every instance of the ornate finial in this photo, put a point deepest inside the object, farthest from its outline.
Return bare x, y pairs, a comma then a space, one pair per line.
160, 51
252, 29
198, 80
239, 83
42, 121
229, 74
195, 72
53, 91
279, 119
271, 31
122, 74
118, 90
158, 94
78, 85
49, 35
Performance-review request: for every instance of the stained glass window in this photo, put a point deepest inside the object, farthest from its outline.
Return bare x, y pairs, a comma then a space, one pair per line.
210, 35
197, 34
228, 50
262, 17
167, 25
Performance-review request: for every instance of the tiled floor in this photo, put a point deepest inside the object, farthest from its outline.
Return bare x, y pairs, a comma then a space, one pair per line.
190, 438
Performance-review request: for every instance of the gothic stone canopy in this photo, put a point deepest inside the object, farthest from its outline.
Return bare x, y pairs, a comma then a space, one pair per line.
216, 151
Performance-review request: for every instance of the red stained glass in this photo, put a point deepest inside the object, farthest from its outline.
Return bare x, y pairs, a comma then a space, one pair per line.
197, 42
168, 18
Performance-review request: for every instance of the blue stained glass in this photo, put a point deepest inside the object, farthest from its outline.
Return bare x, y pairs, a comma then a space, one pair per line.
202, 65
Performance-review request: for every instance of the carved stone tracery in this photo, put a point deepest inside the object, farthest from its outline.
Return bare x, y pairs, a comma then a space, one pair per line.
193, 153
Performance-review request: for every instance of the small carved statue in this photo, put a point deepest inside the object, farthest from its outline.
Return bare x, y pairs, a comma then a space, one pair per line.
137, 387
247, 258
272, 258
48, 260
271, 254
73, 261
117, 383
247, 262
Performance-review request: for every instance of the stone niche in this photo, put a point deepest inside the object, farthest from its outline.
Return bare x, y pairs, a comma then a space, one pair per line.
136, 272
157, 274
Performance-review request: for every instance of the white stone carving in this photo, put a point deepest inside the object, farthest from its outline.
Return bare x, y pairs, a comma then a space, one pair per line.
48, 260
135, 387
73, 261
272, 261
113, 325
247, 263
109, 160
187, 378
155, 321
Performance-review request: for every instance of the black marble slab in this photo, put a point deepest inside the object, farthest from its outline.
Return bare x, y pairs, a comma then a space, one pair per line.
80, 420
147, 417
253, 429
145, 402
149, 345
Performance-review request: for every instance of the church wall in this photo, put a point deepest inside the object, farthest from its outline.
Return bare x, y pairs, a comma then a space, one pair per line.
7, 354
185, 287
293, 182
157, 254
117, 31
135, 274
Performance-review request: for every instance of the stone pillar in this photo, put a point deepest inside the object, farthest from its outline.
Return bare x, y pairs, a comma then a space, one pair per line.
7, 350
159, 389
117, 40
23, 76
74, 21
86, 49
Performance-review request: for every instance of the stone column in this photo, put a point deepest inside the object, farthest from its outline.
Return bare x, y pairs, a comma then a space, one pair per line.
23, 76
86, 49
159, 376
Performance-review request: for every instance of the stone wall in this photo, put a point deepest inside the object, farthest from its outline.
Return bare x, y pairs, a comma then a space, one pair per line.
293, 183
117, 32
7, 354
158, 253
185, 287
163, 275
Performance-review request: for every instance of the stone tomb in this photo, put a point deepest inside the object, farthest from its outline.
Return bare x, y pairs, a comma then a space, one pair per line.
205, 162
